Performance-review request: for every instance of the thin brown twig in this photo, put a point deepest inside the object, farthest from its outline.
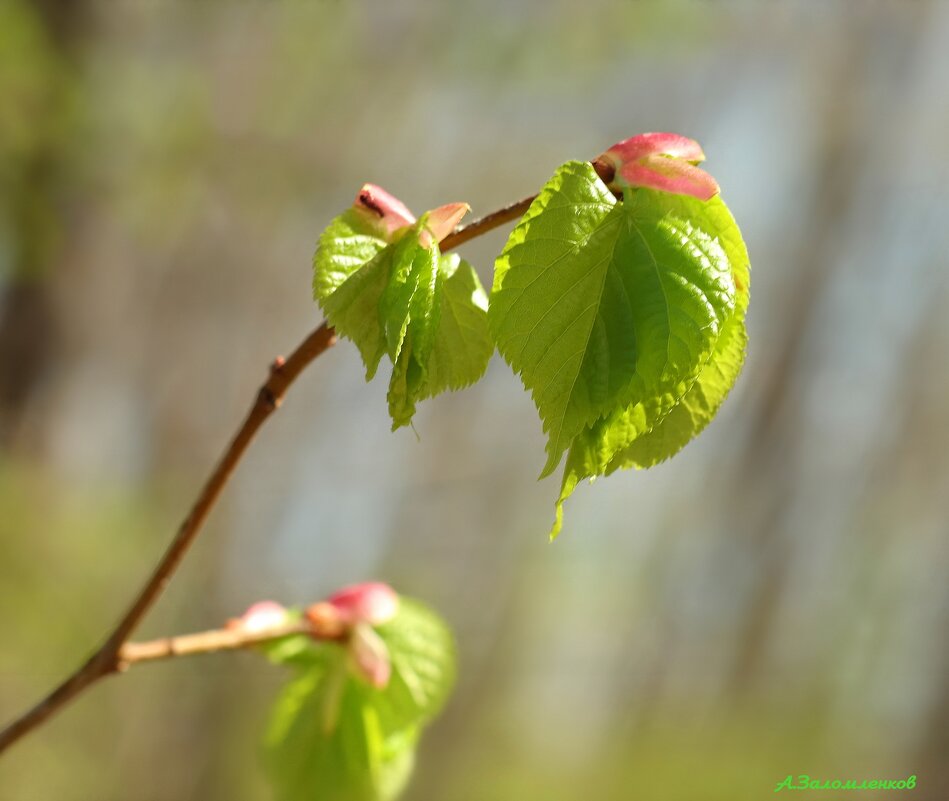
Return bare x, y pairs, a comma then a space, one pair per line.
105, 661
484, 224
208, 642
108, 659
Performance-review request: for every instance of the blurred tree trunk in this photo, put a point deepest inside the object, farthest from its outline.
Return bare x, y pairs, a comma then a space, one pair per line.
917, 455
773, 421
772, 454
28, 329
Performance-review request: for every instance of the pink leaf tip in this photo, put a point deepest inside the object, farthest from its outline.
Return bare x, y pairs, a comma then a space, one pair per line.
656, 144
664, 161
390, 212
349, 615
370, 655
260, 616
372, 602
391, 215
441, 222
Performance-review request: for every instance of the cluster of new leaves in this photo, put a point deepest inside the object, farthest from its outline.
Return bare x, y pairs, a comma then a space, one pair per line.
383, 283
619, 298
342, 730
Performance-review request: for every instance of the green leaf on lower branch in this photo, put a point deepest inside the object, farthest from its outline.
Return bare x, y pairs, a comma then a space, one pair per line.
334, 736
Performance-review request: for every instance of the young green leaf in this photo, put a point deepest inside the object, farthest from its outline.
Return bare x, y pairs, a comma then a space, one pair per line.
422, 650
383, 283
612, 313
333, 734
350, 272
326, 742
462, 344
409, 311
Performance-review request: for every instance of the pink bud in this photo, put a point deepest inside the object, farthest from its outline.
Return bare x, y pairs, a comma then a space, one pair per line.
373, 603
652, 144
391, 214
442, 221
670, 175
389, 211
260, 616
370, 655
325, 621
663, 161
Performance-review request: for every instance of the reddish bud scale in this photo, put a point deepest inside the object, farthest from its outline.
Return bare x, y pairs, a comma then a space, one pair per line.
391, 212
372, 602
370, 655
663, 161
260, 616
392, 215
349, 615
325, 621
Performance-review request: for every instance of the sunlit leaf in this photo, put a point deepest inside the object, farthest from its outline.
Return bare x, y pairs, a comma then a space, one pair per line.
611, 311
462, 344
404, 299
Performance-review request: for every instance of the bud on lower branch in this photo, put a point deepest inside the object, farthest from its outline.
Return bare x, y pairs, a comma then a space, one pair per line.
372, 602
349, 615
259, 617
369, 655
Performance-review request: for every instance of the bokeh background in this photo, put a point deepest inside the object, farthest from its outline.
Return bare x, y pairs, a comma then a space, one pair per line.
773, 601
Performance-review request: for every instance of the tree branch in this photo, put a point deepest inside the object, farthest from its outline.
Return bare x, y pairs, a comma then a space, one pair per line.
208, 642
106, 660
484, 224
116, 652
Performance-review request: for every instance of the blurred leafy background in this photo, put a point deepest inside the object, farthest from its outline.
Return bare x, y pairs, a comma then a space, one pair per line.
774, 601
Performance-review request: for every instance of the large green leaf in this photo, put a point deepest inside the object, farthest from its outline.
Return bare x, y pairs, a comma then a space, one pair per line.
701, 402
426, 311
335, 737
615, 313
644, 435
696, 408
600, 304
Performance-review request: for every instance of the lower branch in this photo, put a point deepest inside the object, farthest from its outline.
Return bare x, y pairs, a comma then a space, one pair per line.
206, 642
106, 660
